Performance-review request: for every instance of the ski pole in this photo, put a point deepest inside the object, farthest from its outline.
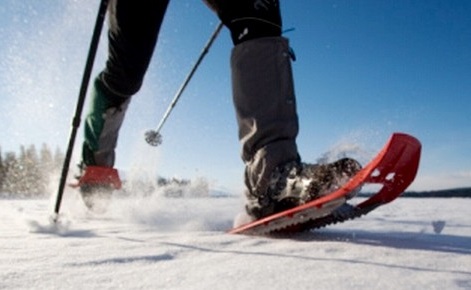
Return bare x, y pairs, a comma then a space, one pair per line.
80, 102
153, 137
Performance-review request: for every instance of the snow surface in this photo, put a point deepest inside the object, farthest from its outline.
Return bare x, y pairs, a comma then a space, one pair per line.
180, 243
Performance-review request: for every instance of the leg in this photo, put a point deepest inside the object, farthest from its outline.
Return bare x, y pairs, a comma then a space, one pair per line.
133, 32
266, 113
263, 93
131, 39
265, 104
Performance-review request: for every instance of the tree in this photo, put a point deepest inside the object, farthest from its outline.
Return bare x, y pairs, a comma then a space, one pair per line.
46, 165
27, 175
10, 169
58, 159
2, 171
45, 159
32, 174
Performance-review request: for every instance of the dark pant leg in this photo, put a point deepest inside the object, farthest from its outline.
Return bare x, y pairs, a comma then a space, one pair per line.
263, 90
134, 28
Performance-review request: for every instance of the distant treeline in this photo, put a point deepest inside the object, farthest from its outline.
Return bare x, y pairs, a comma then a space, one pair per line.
27, 173
455, 192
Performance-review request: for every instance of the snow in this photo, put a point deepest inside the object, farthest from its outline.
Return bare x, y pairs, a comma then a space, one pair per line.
181, 243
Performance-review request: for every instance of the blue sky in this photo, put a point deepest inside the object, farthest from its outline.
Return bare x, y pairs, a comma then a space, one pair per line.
364, 69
